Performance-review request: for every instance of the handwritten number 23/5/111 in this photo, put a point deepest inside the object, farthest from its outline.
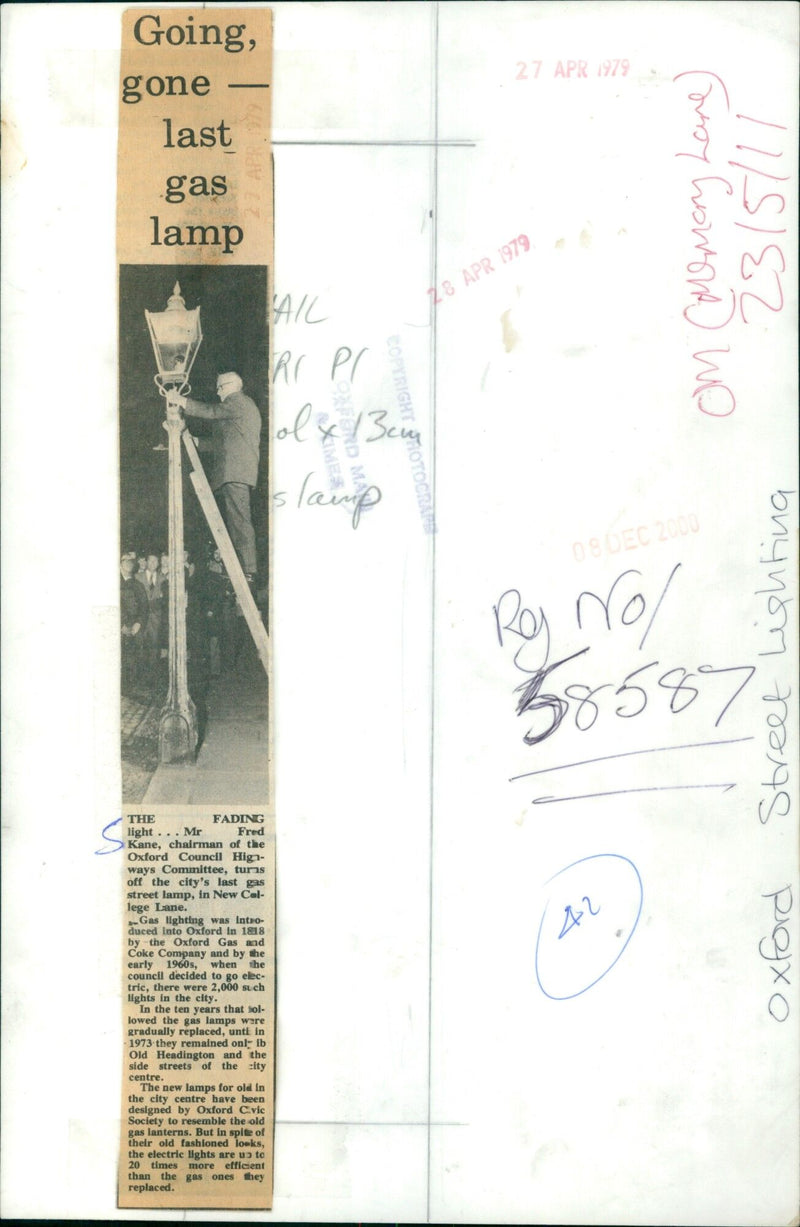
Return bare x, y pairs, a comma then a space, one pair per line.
776, 258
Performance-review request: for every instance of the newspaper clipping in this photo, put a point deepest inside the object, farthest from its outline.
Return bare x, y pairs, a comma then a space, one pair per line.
194, 242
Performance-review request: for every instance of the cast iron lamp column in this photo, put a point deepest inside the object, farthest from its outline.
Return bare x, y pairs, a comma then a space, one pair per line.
176, 337
177, 730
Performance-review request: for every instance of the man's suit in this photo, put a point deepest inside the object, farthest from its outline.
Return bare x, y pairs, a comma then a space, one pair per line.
132, 603
236, 437
152, 584
133, 608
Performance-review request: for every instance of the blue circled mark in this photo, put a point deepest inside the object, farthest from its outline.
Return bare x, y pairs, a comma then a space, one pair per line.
116, 844
590, 958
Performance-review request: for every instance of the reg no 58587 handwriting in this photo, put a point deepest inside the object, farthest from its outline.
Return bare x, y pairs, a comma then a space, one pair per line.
528, 634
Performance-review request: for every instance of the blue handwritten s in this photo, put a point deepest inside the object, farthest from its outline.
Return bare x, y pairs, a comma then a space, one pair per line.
117, 844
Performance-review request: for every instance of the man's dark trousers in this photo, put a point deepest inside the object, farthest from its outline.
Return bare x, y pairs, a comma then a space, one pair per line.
233, 498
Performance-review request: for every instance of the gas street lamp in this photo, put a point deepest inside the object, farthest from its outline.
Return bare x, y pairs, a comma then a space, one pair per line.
176, 335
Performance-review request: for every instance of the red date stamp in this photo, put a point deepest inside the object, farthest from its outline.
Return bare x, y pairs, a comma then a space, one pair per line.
483, 267
571, 70
638, 537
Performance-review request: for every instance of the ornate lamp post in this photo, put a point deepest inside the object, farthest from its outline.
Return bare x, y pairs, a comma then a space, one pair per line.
176, 335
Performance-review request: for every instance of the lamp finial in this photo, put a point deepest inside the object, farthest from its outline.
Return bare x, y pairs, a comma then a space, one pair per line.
176, 302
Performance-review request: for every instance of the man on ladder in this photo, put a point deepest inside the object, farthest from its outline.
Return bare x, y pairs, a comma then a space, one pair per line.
236, 435
236, 430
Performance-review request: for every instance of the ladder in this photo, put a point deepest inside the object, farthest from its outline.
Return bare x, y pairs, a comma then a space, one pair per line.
227, 552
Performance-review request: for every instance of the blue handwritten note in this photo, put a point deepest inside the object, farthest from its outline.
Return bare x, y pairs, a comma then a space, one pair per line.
593, 908
114, 843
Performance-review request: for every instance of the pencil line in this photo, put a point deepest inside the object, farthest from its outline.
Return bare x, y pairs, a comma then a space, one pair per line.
454, 144
382, 1124
616, 792
672, 574
433, 380
604, 758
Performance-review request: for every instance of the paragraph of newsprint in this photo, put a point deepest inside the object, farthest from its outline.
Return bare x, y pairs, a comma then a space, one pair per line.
197, 1115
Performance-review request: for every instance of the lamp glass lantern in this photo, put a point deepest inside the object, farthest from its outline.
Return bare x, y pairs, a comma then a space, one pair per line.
176, 335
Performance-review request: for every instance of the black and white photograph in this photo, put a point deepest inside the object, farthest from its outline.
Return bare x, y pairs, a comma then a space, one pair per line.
194, 532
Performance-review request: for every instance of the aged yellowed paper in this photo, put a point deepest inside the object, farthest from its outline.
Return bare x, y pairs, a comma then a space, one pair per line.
195, 257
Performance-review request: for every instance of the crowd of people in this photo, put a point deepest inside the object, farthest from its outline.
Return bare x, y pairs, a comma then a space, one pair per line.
214, 627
